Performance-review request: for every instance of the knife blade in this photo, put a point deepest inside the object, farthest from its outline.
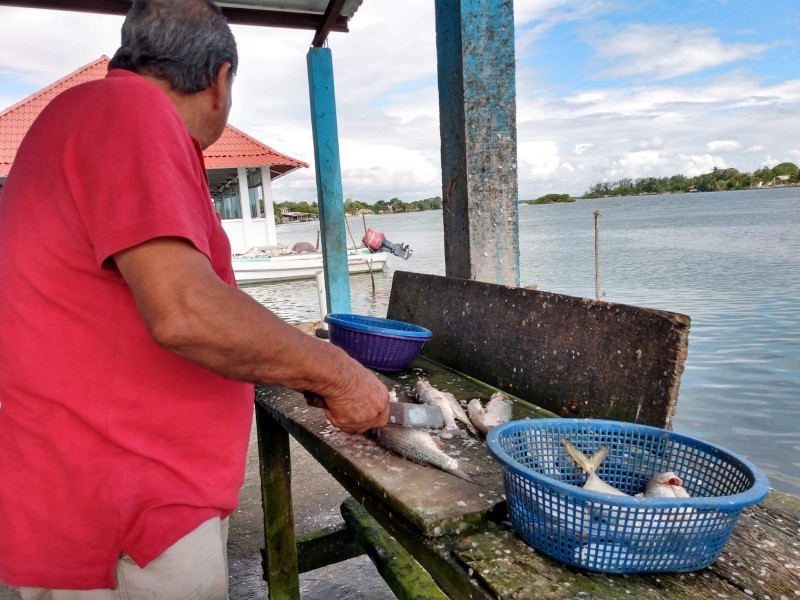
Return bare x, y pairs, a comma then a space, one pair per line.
401, 414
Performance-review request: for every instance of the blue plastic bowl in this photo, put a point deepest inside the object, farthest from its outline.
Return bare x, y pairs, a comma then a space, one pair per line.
380, 344
617, 534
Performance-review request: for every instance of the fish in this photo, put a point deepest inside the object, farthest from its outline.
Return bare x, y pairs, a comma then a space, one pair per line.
447, 403
496, 412
660, 485
422, 448
631, 521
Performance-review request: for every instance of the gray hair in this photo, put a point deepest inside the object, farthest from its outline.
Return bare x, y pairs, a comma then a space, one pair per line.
182, 41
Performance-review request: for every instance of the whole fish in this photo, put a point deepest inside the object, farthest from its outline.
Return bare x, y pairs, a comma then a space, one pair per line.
661, 485
451, 409
496, 412
420, 447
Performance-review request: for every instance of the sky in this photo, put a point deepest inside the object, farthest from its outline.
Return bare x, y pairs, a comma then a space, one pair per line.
606, 89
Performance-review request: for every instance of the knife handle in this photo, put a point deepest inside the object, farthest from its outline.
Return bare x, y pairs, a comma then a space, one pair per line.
314, 400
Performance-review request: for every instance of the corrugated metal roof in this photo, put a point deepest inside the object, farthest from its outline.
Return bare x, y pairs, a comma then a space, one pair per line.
297, 14
234, 148
300, 6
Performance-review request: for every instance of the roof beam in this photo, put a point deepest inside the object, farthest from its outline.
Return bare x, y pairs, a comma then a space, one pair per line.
332, 13
235, 15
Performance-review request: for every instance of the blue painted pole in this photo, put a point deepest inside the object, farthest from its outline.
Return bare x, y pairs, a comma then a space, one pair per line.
478, 126
329, 179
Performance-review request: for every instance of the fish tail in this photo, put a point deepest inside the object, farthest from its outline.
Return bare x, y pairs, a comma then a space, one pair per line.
579, 457
462, 473
598, 457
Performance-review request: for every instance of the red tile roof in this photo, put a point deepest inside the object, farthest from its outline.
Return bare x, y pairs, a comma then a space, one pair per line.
233, 149
237, 149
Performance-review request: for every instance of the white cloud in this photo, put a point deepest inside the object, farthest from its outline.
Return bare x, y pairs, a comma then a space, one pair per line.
701, 163
72, 40
640, 164
723, 146
653, 143
537, 160
664, 52
753, 149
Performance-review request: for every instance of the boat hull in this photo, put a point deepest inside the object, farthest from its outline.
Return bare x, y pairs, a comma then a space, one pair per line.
300, 266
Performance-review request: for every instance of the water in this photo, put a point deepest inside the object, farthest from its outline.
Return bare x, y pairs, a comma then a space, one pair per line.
731, 261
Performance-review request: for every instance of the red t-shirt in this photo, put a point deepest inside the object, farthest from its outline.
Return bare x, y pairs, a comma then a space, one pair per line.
108, 442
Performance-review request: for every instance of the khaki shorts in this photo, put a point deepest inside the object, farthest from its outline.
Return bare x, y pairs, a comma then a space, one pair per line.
193, 568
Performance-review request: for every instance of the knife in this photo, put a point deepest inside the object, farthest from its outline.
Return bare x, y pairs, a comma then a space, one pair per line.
401, 414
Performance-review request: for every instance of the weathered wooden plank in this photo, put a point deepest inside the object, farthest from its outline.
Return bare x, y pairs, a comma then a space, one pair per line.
760, 561
573, 356
477, 107
326, 546
404, 575
280, 553
436, 502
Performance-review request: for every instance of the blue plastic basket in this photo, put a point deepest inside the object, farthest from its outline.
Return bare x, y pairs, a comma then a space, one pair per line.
381, 344
617, 534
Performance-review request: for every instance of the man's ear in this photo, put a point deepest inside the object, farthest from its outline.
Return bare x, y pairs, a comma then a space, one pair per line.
222, 85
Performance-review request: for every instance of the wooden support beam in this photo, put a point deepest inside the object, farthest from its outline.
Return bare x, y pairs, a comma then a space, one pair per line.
404, 575
477, 108
326, 546
280, 552
329, 179
332, 13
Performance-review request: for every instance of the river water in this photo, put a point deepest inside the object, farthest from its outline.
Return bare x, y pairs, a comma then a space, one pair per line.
731, 261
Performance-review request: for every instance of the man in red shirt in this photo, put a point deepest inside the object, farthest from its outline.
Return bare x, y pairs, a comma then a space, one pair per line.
127, 354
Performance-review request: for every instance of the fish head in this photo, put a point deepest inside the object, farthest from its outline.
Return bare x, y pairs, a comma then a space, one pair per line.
668, 478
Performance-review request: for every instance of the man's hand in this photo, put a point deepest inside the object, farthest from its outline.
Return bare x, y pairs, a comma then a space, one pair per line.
363, 405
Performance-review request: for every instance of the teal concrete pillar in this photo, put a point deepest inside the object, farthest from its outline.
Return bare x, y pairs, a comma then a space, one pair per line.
329, 179
478, 127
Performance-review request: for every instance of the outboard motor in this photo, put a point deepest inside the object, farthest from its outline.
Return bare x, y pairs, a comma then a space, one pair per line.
376, 241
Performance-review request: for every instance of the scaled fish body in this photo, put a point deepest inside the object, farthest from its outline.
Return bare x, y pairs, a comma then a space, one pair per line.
420, 447
496, 412
447, 403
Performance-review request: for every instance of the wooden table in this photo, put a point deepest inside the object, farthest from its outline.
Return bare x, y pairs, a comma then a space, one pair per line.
458, 530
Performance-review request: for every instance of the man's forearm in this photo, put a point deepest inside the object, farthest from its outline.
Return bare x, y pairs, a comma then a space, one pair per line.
190, 311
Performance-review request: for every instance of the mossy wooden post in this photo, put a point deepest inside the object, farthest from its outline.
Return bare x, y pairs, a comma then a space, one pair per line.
280, 551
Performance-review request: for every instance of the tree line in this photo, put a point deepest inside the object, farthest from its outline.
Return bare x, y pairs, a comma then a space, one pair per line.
716, 180
352, 207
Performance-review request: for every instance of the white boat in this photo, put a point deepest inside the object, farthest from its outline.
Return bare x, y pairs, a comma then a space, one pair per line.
301, 266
